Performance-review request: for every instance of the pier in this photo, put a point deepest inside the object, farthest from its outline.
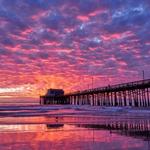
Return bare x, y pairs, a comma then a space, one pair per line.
136, 94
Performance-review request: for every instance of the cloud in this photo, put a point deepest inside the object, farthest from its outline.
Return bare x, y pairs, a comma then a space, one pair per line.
61, 44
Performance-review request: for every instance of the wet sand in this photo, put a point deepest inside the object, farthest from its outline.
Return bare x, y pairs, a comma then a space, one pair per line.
73, 127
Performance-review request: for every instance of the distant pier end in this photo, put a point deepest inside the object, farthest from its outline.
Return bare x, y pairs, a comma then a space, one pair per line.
53, 96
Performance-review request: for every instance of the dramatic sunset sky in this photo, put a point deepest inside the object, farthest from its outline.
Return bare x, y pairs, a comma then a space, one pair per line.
65, 43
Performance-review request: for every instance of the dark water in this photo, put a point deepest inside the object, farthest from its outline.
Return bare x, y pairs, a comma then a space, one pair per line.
36, 128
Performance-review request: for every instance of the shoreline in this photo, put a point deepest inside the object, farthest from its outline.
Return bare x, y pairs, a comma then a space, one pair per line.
63, 110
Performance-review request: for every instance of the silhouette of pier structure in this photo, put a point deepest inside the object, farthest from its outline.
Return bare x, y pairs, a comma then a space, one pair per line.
136, 94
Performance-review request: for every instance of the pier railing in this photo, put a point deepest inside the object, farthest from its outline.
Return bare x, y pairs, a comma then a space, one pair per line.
118, 87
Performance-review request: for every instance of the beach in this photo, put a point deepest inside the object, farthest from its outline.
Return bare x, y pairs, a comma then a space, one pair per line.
74, 127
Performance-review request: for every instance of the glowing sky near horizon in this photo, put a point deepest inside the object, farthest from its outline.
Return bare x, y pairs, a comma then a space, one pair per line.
64, 43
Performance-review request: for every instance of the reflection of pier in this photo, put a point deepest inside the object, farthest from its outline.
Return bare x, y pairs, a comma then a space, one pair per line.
127, 94
54, 126
140, 129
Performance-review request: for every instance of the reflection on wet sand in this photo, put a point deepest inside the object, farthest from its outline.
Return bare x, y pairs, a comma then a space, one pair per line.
140, 129
112, 131
86, 133
74, 128
54, 126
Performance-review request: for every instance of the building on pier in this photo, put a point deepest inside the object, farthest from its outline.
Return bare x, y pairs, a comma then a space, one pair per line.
53, 96
55, 92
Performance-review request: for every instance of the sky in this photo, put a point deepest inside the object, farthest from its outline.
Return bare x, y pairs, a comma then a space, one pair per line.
68, 43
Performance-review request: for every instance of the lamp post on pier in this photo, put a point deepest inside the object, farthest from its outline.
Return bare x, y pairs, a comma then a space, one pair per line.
92, 81
143, 74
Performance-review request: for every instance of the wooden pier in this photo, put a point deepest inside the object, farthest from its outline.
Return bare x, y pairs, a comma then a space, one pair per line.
135, 94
